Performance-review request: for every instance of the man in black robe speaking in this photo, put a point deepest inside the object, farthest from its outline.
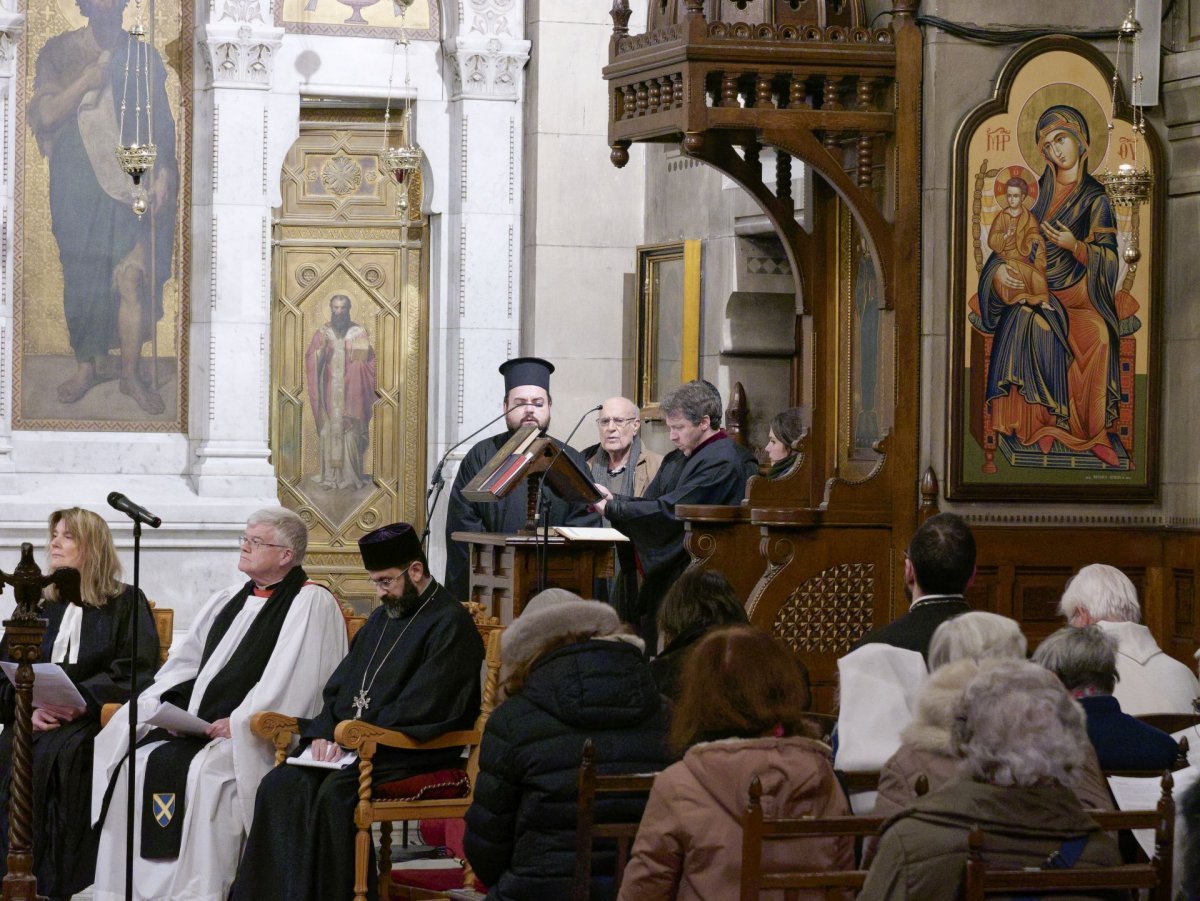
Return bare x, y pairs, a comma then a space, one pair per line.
413, 667
705, 468
526, 402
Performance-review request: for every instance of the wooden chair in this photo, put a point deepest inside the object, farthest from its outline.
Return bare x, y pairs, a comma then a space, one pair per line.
1171, 722
1155, 876
587, 830
1181, 762
164, 625
756, 831
374, 806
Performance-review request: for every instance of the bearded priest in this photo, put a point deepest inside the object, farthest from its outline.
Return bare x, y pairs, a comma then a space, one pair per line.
413, 667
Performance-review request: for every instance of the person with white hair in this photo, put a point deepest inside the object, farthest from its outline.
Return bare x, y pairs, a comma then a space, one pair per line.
267, 643
1151, 681
958, 648
1022, 742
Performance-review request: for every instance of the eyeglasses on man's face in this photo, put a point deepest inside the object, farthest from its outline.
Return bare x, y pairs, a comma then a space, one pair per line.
384, 583
605, 421
256, 543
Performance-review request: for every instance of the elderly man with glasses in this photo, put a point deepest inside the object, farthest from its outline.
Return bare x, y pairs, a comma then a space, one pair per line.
268, 643
413, 667
623, 465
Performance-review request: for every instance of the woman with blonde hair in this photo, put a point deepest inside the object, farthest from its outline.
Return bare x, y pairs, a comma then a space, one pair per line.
740, 716
91, 642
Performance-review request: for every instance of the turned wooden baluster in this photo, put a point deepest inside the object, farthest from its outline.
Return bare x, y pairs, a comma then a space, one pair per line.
620, 14
24, 633
783, 176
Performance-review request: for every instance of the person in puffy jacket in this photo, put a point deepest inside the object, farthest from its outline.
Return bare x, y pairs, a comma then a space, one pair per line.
569, 673
741, 715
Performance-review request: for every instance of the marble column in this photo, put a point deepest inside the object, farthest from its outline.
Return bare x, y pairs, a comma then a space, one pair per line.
12, 24
476, 320
231, 300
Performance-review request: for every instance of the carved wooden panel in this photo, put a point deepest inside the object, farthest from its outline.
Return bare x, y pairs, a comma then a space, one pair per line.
348, 368
829, 612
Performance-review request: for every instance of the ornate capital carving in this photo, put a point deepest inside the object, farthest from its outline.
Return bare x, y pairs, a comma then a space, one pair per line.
12, 25
242, 11
239, 54
487, 68
486, 54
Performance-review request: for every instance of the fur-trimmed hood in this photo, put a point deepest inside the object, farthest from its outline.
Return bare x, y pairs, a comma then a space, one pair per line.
930, 728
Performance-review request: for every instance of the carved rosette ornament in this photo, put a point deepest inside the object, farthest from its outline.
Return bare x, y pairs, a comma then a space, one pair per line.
487, 61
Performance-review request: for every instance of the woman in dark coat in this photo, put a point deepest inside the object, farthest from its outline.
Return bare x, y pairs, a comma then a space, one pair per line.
570, 674
699, 600
91, 643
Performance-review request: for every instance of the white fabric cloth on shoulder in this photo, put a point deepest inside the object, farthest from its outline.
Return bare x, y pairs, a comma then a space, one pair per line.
878, 689
1150, 680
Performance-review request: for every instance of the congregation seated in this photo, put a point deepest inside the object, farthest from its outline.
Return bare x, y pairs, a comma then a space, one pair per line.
266, 644
699, 600
1022, 741
740, 716
958, 648
785, 431
414, 668
1085, 659
91, 641
570, 672
1149, 680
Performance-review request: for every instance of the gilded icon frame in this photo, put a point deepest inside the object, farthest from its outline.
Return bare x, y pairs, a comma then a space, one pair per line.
668, 303
1011, 443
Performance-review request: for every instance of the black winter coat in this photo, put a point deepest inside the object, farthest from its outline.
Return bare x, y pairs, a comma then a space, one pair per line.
520, 834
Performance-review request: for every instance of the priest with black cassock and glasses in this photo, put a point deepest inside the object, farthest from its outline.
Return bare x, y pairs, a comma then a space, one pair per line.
413, 667
526, 402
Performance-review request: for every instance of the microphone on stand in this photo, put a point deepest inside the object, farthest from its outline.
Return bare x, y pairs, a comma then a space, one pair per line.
140, 515
137, 513
437, 483
541, 506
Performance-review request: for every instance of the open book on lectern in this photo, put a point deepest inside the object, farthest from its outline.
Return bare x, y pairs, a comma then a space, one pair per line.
526, 453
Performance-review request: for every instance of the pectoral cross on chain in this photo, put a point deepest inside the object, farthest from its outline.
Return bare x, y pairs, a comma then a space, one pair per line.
361, 702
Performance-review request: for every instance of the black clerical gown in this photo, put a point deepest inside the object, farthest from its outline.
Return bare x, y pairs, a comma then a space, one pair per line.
714, 473
420, 671
64, 846
507, 515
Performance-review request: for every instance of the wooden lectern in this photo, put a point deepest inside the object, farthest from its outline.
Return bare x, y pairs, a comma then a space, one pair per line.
505, 569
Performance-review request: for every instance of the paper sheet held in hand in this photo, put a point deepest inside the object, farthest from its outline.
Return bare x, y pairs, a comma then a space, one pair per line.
305, 758
176, 719
52, 687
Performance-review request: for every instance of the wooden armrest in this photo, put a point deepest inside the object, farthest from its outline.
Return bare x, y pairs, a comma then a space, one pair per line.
355, 735
276, 728
107, 712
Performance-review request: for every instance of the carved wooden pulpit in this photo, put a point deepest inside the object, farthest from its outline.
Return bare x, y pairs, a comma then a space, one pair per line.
24, 633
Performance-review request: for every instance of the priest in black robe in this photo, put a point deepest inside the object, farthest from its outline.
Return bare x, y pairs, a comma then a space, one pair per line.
706, 467
413, 667
526, 402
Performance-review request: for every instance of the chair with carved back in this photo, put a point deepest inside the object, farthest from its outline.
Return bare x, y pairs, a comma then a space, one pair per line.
1155, 876
591, 784
1181, 761
1171, 722
757, 830
405, 800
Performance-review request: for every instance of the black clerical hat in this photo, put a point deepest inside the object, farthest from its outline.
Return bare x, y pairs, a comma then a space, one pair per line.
526, 371
395, 545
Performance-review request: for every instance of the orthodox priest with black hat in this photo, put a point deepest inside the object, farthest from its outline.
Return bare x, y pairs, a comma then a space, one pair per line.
526, 402
413, 667
265, 644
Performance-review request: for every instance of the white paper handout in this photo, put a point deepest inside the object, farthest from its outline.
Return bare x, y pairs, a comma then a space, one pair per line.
52, 687
176, 719
589, 533
305, 758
